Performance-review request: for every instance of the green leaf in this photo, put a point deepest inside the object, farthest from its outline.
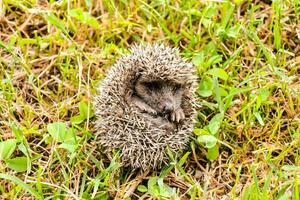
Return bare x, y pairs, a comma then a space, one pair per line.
223, 92
7, 148
259, 118
160, 183
17, 131
213, 60
210, 48
215, 123
84, 17
277, 10
206, 22
226, 13
198, 60
193, 11
84, 110
24, 149
166, 169
153, 188
290, 168
142, 188
57, 130
67, 137
212, 153
170, 154
210, 11
78, 119
183, 159
70, 135
19, 164
285, 195
218, 72
205, 88
208, 140
90, 20
164, 190
264, 93
262, 97
20, 183
200, 131
233, 31
218, 97
266, 188
70, 147
221, 32
52, 19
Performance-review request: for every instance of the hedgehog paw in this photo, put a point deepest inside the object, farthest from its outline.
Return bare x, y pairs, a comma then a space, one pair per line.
169, 127
177, 115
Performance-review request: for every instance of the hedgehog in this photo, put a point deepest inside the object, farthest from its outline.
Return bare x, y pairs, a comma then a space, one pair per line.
146, 105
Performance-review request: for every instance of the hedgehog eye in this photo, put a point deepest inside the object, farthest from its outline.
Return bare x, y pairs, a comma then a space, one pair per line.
154, 85
177, 87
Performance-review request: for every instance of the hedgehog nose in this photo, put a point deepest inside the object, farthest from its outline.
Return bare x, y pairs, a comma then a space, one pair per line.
168, 108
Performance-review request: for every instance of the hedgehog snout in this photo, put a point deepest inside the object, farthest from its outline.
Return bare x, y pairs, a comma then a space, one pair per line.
168, 107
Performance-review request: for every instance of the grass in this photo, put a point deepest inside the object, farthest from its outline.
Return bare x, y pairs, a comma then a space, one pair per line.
247, 138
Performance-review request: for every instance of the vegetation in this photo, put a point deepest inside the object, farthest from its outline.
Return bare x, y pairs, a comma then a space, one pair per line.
247, 137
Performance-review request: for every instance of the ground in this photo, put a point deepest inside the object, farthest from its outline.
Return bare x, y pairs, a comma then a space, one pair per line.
247, 137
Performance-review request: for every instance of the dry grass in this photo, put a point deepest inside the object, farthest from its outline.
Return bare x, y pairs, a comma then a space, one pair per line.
53, 54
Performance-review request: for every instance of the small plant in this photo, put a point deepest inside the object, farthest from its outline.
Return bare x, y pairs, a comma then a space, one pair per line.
8, 147
85, 112
18, 164
209, 86
65, 136
157, 188
208, 135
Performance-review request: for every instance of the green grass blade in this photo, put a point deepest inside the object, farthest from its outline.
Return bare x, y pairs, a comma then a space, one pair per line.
20, 183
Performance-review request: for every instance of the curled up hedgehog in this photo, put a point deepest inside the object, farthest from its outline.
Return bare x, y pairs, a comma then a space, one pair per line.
146, 105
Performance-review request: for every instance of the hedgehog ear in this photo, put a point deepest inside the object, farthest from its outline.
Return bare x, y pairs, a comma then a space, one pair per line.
128, 96
137, 78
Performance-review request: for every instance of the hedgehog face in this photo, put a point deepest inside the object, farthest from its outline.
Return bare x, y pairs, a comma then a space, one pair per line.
163, 96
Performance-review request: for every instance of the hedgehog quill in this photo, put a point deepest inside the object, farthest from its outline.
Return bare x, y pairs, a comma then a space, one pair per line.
146, 105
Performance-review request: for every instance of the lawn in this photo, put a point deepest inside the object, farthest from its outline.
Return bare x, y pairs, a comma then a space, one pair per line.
246, 142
